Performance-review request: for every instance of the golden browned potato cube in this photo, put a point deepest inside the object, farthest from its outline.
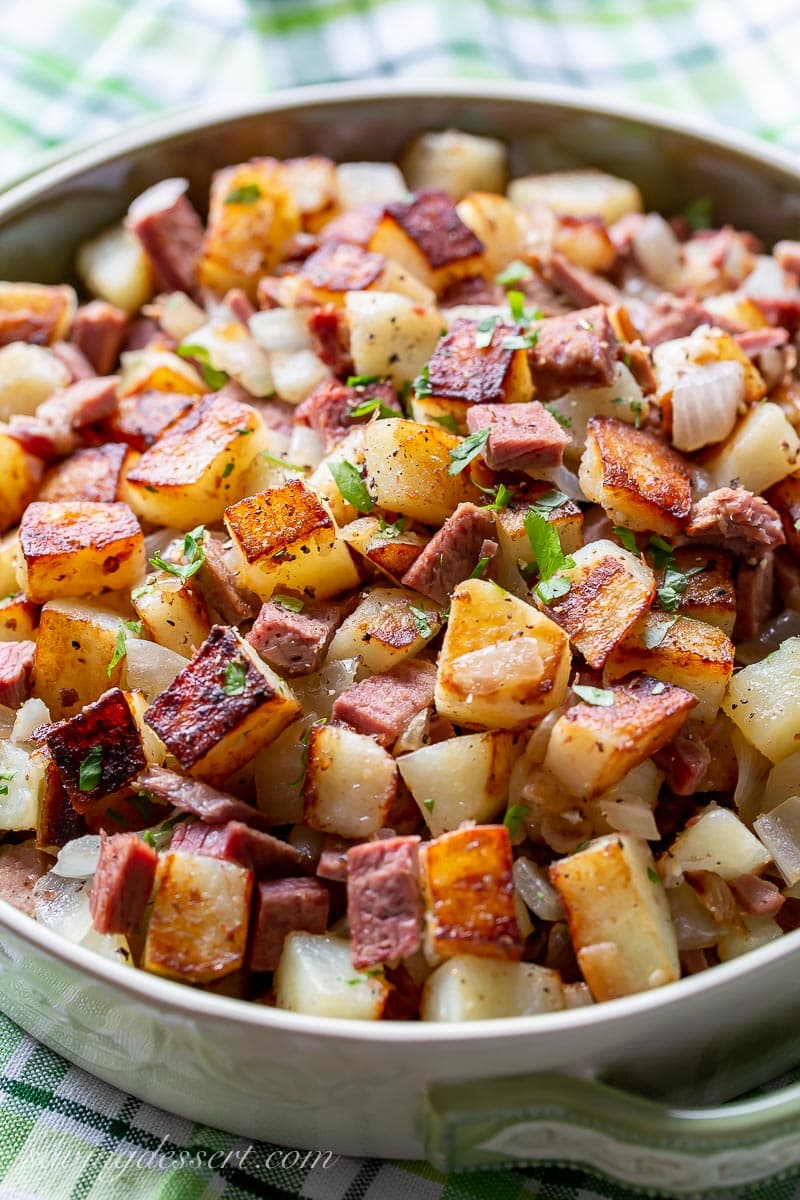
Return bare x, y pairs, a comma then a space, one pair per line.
337, 268
155, 370
98, 751
78, 549
74, 647
456, 162
350, 782
585, 242
389, 625
222, 707
252, 215
173, 614
200, 917
692, 655
640, 481
20, 476
469, 894
312, 183
36, 312
391, 552
407, 470
594, 745
460, 369
503, 664
432, 410
19, 618
583, 192
763, 700
498, 225
710, 594
762, 450
618, 916
391, 335
286, 537
91, 473
426, 235
197, 467
610, 588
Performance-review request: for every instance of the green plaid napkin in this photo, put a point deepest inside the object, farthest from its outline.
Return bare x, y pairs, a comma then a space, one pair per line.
78, 69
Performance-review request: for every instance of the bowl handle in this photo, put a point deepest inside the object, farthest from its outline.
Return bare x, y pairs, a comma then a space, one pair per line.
568, 1121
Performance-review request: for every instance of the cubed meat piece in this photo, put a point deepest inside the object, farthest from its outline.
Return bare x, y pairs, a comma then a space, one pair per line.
685, 761
260, 852
171, 233
755, 595
735, 518
284, 906
52, 431
333, 859
576, 350
579, 285
294, 642
757, 896
384, 904
122, 883
99, 332
20, 866
75, 361
522, 437
327, 409
219, 585
673, 317
190, 795
383, 705
330, 335
453, 553
16, 670
239, 304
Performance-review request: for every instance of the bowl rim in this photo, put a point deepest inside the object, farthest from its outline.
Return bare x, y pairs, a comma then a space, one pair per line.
50, 170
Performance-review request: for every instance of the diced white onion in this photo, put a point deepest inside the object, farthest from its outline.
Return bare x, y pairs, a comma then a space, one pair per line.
630, 816
657, 250
157, 541
63, 905
296, 373
369, 183
306, 447
782, 782
179, 316
705, 402
540, 738
151, 668
772, 634
7, 722
753, 770
482, 671
231, 349
471, 312
307, 841
695, 928
702, 483
161, 195
280, 329
779, 830
78, 859
769, 280
29, 717
534, 886
415, 734
562, 478
317, 692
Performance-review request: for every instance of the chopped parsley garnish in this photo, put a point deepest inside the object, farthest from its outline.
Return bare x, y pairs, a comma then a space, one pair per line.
146, 589
653, 637
653, 876
120, 643
247, 193
244, 432
6, 776
228, 470
484, 332
502, 496
420, 618
699, 213
515, 817
797, 524
351, 486
515, 272
292, 603
193, 552
549, 590
564, 421
373, 404
365, 976
549, 501
388, 530
470, 447
599, 697
235, 679
662, 551
214, 379
516, 305
91, 770
479, 570
448, 421
429, 804
636, 408
422, 383
280, 462
581, 846
521, 341
674, 585
627, 537
362, 380
550, 558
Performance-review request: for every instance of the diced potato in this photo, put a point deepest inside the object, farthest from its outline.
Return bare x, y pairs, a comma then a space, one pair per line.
19, 618
461, 370
152, 369
763, 701
762, 450
78, 549
778, 831
28, 376
252, 215
392, 555
279, 771
390, 335
433, 410
593, 746
198, 466
74, 647
496, 223
115, 267
512, 537
580, 193
407, 470
503, 665
36, 312
199, 920
9, 554
90, 473
585, 241
426, 235
222, 707
337, 268
460, 779
231, 348
468, 988
287, 537
384, 629
710, 594
155, 752
106, 733
692, 655
610, 589
349, 449
469, 894
20, 475
173, 614
296, 373
715, 840
313, 184
375, 183
755, 932
315, 976
455, 162
640, 481
618, 916
21, 781
350, 782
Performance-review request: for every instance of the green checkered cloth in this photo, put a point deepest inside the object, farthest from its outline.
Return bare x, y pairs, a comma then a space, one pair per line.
78, 69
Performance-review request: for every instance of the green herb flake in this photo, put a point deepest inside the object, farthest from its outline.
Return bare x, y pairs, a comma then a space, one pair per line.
193, 553
552, 589
235, 678
479, 570
247, 193
501, 496
636, 408
120, 643
351, 486
389, 530
357, 381
429, 804
292, 603
598, 697
244, 432
564, 421
653, 637
672, 589
228, 470
546, 545
280, 462
146, 589
469, 447
653, 876
699, 213
662, 551
422, 383
521, 341
91, 770
214, 379
421, 620
515, 272
448, 421
484, 332
149, 839
582, 323
6, 776
516, 306
628, 538
797, 524
515, 818
584, 845
371, 405
549, 501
